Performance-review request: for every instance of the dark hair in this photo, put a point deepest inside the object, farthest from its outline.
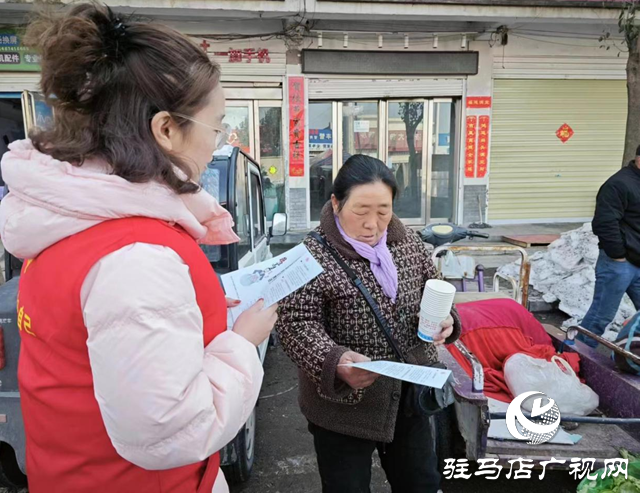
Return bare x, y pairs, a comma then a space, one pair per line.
358, 170
106, 77
638, 151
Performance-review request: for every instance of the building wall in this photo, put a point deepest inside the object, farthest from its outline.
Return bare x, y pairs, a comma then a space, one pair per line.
531, 53
539, 57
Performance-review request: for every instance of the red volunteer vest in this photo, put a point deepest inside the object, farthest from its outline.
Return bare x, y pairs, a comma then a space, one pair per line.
68, 449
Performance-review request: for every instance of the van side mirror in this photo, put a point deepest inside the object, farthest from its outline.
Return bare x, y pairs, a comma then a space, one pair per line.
279, 224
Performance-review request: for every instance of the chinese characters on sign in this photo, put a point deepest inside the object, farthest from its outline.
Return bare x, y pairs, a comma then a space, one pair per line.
470, 147
14, 56
578, 468
261, 55
8, 40
9, 58
564, 133
320, 139
479, 102
477, 145
483, 146
296, 126
32, 59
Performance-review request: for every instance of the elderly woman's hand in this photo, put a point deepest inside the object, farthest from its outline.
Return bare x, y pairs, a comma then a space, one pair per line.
447, 330
355, 377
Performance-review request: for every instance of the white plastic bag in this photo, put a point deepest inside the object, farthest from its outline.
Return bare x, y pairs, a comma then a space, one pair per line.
524, 374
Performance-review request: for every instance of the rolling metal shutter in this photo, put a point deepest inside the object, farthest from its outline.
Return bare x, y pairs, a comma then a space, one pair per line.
19, 81
560, 67
534, 177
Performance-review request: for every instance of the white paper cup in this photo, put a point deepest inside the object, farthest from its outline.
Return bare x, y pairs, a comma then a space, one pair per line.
437, 301
437, 286
429, 326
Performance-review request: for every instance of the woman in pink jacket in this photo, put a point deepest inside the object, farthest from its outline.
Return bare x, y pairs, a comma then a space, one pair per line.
129, 380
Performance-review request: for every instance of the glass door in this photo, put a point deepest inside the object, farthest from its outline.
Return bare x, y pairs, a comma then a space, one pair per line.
239, 116
360, 129
405, 156
270, 156
442, 177
322, 160
337, 131
256, 128
416, 138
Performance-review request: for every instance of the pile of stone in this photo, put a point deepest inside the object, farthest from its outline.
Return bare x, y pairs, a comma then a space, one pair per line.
565, 275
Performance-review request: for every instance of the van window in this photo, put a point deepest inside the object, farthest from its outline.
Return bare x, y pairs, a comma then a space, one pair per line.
257, 214
242, 207
210, 181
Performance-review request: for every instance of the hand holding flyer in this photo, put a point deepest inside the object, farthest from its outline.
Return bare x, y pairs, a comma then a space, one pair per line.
421, 375
271, 280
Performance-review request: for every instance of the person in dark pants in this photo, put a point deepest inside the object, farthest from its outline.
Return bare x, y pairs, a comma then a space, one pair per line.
408, 461
327, 324
617, 225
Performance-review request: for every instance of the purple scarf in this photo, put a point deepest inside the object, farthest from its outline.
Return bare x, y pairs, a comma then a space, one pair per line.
379, 256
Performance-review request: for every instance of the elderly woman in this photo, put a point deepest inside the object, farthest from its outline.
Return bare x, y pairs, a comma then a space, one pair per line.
328, 324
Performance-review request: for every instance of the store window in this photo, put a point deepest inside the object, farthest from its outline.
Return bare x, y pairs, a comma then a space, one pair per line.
405, 137
239, 119
320, 155
415, 138
271, 158
11, 120
443, 161
359, 129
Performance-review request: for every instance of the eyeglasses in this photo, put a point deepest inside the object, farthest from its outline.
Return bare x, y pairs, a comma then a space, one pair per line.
223, 130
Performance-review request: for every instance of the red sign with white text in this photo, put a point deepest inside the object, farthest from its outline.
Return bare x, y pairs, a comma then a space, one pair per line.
479, 102
296, 126
470, 147
483, 146
247, 55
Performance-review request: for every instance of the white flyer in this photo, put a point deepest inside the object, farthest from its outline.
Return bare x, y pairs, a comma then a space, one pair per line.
272, 280
422, 375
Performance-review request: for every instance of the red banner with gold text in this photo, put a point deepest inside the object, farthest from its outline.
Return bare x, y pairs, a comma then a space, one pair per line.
296, 126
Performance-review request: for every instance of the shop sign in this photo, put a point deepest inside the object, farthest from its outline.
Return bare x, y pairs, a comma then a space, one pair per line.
470, 147
14, 56
320, 139
296, 126
479, 102
247, 55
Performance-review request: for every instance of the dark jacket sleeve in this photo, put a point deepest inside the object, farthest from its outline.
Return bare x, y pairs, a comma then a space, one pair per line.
611, 204
301, 331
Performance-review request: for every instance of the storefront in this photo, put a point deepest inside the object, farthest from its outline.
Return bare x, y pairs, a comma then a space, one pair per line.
473, 130
415, 137
558, 130
252, 75
20, 105
402, 107
554, 143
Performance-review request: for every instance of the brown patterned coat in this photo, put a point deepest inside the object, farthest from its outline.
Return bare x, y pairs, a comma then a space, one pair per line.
329, 316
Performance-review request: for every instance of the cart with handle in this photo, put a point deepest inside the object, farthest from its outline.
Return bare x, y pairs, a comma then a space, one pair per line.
462, 429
